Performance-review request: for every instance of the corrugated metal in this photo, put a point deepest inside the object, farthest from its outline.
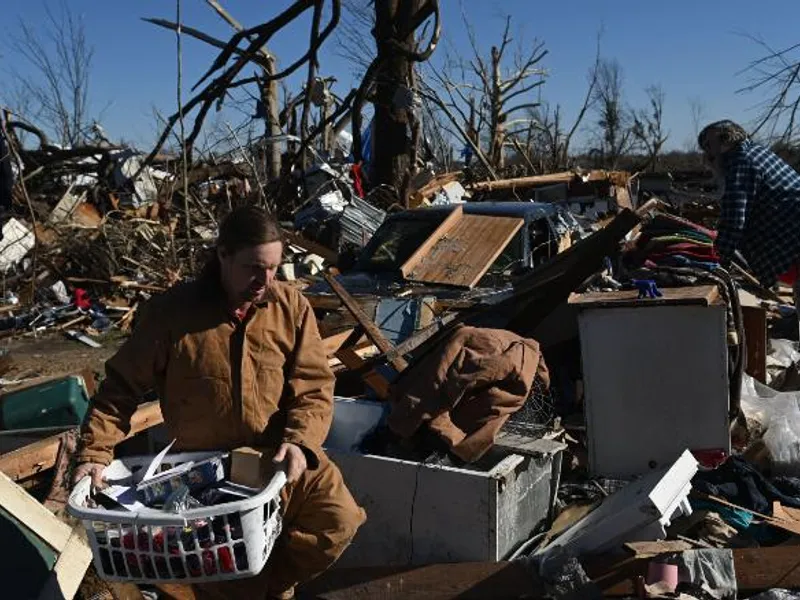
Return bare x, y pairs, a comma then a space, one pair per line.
358, 222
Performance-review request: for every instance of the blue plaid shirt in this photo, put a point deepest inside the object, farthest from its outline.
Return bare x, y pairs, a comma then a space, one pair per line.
760, 211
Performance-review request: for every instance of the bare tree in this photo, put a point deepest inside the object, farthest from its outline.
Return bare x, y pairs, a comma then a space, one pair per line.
777, 75
613, 116
57, 84
491, 91
549, 140
648, 129
353, 40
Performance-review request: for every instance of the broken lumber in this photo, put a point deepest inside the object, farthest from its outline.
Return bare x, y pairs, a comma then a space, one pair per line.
372, 331
40, 456
441, 232
757, 570
74, 555
442, 258
615, 177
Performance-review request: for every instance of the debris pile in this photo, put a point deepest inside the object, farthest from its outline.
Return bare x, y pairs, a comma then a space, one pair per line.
553, 339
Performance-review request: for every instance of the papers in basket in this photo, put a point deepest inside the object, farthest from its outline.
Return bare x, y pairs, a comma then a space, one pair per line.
155, 486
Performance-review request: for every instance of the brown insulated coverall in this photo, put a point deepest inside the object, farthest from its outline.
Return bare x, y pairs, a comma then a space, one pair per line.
467, 389
224, 384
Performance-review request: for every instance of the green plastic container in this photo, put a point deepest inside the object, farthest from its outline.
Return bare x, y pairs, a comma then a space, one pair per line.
59, 403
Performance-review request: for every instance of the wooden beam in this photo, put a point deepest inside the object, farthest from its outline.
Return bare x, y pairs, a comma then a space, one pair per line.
615, 177
441, 231
40, 456
372, 330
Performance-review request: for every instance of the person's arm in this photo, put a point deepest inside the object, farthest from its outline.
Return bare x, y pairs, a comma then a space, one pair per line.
130, 374
310, 381
740, 190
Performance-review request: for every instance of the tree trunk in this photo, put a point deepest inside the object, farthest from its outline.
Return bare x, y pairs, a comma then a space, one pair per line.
497, 118
269, 98
391, 138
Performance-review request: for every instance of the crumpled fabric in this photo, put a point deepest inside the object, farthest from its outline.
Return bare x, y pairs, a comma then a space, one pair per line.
465, 390
710, 569
739, 482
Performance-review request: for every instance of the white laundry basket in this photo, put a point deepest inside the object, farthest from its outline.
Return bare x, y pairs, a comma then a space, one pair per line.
213, 543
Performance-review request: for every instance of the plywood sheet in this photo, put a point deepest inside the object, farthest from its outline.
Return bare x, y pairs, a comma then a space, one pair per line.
462, 253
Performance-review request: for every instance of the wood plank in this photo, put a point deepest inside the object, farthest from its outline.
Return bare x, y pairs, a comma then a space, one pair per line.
474, 581
433, 186
351, 359
703, 295
757, 570
616, 177
440, 232
334, 342
371, 329
40, 456
645, 549
66, 577
36, 517
462, 256
755, 334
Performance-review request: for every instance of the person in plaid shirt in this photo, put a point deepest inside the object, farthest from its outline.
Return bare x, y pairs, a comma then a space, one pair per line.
760, 205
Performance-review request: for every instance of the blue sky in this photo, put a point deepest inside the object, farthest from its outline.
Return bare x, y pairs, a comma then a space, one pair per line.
693, 49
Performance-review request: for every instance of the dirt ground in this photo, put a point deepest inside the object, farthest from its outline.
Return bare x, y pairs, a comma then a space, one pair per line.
54, 354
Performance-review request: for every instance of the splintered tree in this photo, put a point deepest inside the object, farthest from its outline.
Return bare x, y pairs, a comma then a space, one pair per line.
390, 84
648, 130
488, 98
56, 89
249, 46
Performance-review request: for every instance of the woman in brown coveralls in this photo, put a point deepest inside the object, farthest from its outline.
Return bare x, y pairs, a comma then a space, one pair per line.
236, 360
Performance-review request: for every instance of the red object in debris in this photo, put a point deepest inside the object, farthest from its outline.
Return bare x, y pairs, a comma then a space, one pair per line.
357, 180
710, 458
790, 277
82, 300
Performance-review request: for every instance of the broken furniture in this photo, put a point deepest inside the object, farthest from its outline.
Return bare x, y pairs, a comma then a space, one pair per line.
638, 512
426, 512
655, 377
